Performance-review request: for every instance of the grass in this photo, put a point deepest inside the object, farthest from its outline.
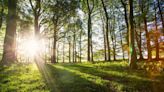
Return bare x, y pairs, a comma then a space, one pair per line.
79, 77
21, 78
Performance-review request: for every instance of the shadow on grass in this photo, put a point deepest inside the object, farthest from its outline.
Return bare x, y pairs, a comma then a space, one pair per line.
128, 80
68, 81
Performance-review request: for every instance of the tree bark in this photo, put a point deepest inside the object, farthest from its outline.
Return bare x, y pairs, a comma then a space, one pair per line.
140, 44
36, 11
107, 30
143, 8
123, 56
92, 50
69, 52
9, 53
74, 51
156, 36
126, 18
104, 36
90, 10
53, 59
89, 39
80, 45
147, 38
63, 51
114, 52
161, 15
132, 55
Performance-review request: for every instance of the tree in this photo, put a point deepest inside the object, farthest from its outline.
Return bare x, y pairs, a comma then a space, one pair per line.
139, 41
161, 14
9, 52
104, 36
121, 42
90, 5
106, 28
156, 34
132, 55
144, 9
69, 44
59, 14
124, 4
36, 8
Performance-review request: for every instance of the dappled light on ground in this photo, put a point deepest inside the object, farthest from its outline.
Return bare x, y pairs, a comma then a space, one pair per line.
46, 74
80, 77
103, 77
22, 78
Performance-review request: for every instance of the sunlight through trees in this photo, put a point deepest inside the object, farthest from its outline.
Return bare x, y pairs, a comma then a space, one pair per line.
80, 32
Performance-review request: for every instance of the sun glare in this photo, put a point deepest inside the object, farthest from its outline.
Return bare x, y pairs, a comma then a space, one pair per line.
30, 48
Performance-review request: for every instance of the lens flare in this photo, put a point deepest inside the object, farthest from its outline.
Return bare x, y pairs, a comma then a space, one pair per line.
31, 47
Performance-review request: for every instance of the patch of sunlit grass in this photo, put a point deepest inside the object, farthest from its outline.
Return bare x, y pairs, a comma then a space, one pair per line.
95, 79
108, 76
80, 77
21, 78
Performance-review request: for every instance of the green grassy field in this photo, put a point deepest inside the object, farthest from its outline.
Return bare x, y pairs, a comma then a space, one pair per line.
21, 78
80, 77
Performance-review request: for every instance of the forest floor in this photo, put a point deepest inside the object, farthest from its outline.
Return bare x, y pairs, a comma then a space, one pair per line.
79, 77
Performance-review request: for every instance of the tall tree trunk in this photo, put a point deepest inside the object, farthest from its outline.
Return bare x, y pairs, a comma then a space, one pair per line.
132, 55
36, 26
143, 8
90, 10
126, 18
123, 55
69, 52
92, 50
113, 43
89, 39
104, 36
9, 53
140, 44
107, 39
126, 21
114, 47
107, 29
80, 45
89, 31
161, 14
53, 59
73, 53
63, 51
57, 53
136, 36
156, 36
147, 38
36, 10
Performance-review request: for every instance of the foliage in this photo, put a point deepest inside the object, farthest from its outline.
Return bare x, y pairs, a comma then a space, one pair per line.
152, 67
